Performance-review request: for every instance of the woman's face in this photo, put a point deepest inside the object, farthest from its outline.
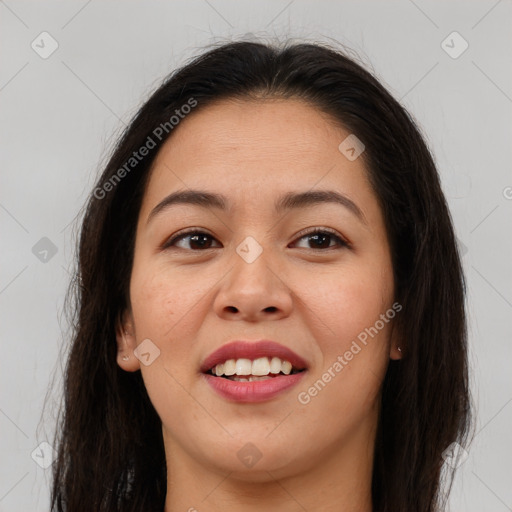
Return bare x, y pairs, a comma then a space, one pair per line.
253, 273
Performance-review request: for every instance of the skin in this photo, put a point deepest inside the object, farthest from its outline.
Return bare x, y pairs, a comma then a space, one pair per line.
190, 301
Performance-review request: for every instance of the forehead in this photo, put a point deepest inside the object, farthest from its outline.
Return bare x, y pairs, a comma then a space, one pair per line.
256, 146
255, 129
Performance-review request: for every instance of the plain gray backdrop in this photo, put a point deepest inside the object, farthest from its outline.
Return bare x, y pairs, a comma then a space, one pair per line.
62, 111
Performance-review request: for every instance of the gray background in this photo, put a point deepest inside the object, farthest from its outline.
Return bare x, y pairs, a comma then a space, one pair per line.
61, 114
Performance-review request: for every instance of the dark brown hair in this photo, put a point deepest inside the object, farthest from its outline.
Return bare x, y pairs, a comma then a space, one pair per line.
110, 449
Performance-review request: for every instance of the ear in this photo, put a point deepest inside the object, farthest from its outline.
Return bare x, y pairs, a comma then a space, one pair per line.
126, 343
396, 348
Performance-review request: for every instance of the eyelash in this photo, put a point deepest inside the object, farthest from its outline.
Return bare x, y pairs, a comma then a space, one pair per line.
342, 243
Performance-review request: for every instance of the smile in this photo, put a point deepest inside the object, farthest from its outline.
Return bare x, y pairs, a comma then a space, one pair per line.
259, 369
252, 371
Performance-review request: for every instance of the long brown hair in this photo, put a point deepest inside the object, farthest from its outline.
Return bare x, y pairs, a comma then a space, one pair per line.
110, 448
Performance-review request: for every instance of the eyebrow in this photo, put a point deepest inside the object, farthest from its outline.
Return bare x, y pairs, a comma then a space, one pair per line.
289, 201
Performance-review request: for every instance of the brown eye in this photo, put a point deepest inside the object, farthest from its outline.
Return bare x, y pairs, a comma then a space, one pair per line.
197, 240
321, 238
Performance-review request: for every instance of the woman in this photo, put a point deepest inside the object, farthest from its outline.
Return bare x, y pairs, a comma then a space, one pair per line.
270, 302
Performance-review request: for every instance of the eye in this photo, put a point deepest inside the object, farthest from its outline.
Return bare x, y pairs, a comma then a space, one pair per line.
321, 238
199, 239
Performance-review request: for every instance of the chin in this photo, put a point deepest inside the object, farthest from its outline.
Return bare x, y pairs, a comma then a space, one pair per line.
256, 458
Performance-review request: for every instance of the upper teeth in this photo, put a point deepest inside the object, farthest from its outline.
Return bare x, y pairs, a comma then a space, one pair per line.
260, 366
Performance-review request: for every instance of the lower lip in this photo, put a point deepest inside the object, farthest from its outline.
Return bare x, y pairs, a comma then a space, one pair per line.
256, 391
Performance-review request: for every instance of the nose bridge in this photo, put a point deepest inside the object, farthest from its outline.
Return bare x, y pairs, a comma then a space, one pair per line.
253, 286
252, 263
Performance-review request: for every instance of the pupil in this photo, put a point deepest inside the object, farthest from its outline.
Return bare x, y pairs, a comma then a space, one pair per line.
317, 236
194, 240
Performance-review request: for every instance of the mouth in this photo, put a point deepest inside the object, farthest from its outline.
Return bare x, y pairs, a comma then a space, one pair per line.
244, 371
247, 370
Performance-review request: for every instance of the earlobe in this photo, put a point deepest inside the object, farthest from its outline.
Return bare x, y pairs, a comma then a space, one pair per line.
396, 351
126, 344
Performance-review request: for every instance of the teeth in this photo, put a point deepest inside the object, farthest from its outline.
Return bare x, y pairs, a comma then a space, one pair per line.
275, 365
229, 367
250, 379
260, 367
266, 377
243, 367
286, 367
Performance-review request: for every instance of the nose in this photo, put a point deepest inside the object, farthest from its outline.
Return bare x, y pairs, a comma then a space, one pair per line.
254, 291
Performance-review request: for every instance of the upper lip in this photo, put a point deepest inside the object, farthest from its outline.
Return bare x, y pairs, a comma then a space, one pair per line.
252, 350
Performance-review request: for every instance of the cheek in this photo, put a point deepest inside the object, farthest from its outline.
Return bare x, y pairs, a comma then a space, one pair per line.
353, 341
346, 301
163, 305
169, 307
162, 299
